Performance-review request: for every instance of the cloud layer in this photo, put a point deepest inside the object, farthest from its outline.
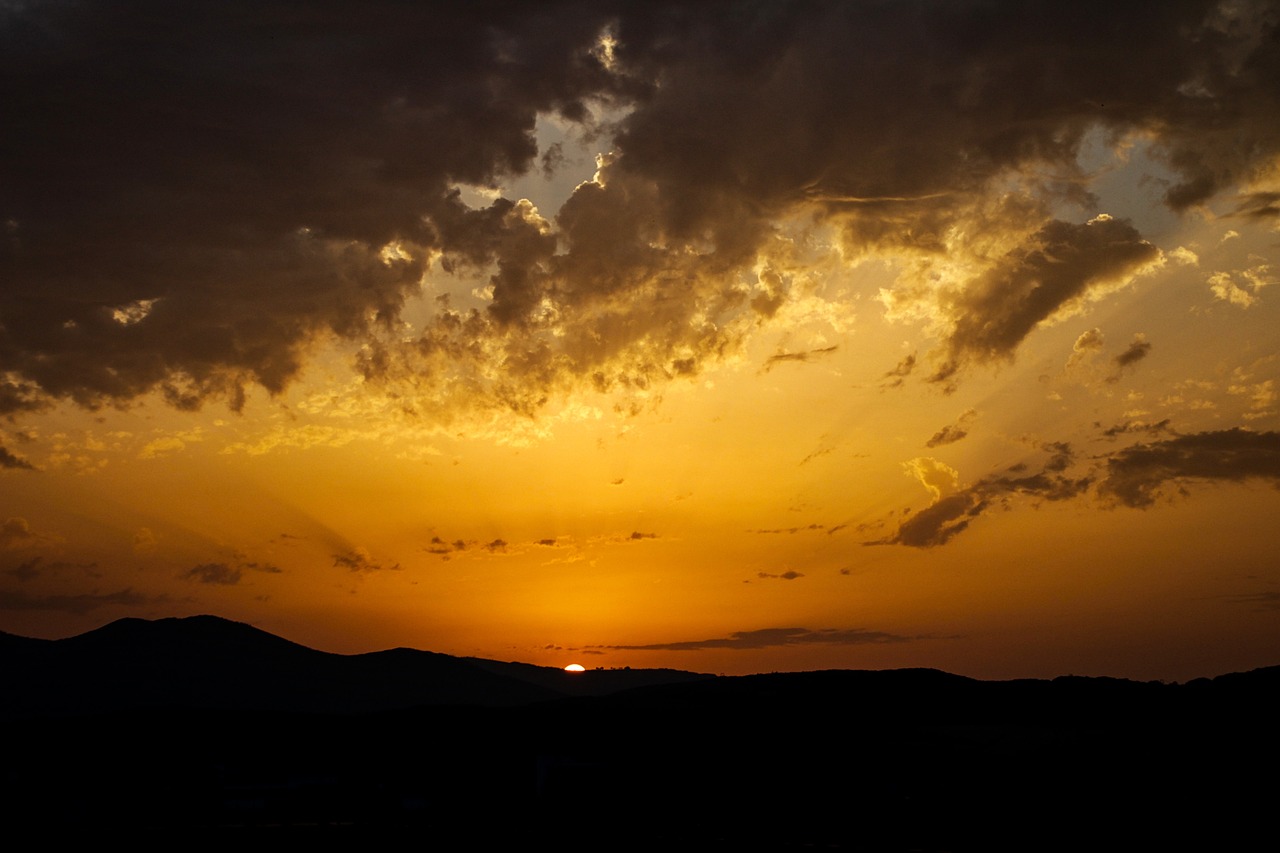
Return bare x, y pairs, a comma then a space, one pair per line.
195, 196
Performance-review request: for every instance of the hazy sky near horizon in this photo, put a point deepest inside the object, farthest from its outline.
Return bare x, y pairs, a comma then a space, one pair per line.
726, 336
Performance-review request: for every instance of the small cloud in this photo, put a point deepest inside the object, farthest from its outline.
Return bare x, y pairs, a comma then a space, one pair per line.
772, 637
8, 460
937, 477
76, 604
359, 560
802, 357
894, 378
1257, 600
637, 535
219, 574
16, 533
26, 571
1086, 345
785, 576
145, 541
952, 433
1184, 257
1139, 349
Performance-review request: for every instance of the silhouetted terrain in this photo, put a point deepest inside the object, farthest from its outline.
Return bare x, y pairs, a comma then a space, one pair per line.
150, 728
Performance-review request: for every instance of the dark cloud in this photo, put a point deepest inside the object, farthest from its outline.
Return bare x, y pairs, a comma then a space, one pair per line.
1060, 264
788, 575
195, 194
952, 514
214, 573
894, 378
26, 571
805, 356
8, 460
1269, 600
1137, 427
1136, 476
359, 560
75, 604
637, 535
1134, 353
772, 637
952, 433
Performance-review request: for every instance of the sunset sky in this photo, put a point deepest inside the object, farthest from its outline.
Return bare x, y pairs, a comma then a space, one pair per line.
725, 336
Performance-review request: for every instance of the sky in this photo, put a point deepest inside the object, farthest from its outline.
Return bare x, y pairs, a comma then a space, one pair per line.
726, 336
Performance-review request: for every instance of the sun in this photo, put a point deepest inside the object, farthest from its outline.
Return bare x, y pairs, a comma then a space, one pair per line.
575, 667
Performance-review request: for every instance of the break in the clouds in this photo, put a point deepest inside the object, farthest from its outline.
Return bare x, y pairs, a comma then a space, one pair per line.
195, 196
770, 637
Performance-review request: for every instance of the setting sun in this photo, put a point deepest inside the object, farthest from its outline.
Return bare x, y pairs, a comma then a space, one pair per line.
575, 667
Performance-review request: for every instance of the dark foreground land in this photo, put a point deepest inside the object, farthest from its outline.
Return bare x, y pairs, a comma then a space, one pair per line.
189, 728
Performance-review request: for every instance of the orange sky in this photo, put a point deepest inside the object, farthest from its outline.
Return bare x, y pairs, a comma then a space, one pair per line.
707, 336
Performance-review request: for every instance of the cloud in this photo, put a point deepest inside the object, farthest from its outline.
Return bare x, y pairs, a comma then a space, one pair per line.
1269, 600
896, 377
17, 533
1055, 270
1086, 345
219, 574
1137, 427
199, 199
1138, 349
802, 357
951, 515
145, 541
772, 637
1246, 294
952, 433
8, 460
1136, 476
26, 571
789, 575
360, 560
937, 477
1134, 353
76, 604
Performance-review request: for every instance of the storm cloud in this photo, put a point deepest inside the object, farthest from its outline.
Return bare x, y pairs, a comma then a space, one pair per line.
195, 197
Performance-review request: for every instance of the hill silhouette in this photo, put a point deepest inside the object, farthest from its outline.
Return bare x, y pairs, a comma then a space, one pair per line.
144, 729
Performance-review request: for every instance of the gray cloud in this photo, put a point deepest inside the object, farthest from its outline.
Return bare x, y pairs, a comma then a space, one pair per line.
772, 637
1136, 476
75, 604
214, 573
196, 194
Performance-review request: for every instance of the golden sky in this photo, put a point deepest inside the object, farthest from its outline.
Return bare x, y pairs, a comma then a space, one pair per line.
731, 337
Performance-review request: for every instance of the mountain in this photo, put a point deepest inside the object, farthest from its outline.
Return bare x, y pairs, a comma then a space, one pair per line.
205, 662
178, 726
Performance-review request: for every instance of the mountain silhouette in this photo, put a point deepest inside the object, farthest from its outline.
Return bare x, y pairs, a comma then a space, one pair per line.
206, 662
151, 728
